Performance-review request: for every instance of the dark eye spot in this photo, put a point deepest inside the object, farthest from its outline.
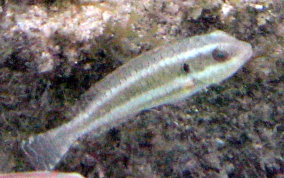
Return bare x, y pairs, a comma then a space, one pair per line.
220, 55
186, 68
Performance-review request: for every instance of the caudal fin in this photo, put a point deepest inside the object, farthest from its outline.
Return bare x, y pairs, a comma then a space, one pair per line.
43, 152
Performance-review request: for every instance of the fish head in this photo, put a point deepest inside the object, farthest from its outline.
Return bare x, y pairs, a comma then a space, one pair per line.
220, 57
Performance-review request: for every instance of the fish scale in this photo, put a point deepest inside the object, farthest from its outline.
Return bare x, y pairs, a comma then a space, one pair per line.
161, 76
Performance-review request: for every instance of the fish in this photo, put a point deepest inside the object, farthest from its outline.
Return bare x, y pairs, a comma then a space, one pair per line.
41, 174
160, 76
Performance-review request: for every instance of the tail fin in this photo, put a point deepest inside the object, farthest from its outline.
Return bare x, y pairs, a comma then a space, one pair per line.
43, 151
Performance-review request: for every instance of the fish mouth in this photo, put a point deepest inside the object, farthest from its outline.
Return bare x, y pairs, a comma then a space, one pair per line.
246, 51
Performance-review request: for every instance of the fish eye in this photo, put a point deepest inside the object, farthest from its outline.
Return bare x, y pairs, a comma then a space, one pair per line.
220, 55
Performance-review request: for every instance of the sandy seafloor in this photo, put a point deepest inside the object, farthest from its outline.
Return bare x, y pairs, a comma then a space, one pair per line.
51, 52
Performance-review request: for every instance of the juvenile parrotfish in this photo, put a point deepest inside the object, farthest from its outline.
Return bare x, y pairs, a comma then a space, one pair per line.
161, 76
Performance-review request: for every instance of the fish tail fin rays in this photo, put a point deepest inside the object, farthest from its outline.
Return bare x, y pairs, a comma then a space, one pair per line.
43, 152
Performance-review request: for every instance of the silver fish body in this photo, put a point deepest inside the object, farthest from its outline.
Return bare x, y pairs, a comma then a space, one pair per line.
160, 76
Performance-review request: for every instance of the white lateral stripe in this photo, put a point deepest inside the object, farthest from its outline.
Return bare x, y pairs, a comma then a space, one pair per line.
142, 98
153, 68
